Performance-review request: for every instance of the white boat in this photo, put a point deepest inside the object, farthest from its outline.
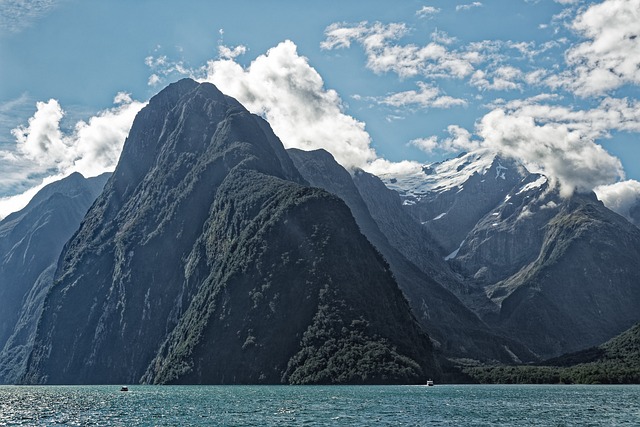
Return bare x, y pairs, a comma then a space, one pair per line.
430, 383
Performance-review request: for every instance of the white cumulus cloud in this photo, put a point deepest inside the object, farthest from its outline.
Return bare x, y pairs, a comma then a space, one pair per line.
41, 140
468, 6
226, 52
427, 145
426, 97
290, 94
459, 139
566, 156
620, 197
409, 60
427, 11
503, 78
610, 56
91, 147
154, 80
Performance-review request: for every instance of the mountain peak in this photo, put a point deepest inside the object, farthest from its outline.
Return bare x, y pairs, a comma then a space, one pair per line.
210, 260
451, 174
175, 90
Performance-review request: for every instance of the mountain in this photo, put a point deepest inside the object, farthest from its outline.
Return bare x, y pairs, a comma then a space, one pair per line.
583, 286
450, 197
403, 232
209, 259
614, 362
634, 213
558, 274
31, 241
458, 331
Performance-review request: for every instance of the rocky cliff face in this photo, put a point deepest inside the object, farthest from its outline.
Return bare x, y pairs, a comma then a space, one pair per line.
207, 259
582, 288
557, 274
30, 243
510, 235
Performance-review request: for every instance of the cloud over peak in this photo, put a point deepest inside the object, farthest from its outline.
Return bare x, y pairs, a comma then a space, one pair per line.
43, 149
620, 197
566, 156
557, 141
281, 86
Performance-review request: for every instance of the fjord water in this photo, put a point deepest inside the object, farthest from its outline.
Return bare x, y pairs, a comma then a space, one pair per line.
446, 405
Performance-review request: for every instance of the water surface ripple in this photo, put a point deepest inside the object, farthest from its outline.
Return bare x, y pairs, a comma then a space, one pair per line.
442, 405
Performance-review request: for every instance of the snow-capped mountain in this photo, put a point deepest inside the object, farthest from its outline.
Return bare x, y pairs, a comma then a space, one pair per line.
558, 274
450, 197
440, 177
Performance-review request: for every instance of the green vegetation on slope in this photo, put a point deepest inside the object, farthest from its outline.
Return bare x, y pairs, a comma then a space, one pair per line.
615, 362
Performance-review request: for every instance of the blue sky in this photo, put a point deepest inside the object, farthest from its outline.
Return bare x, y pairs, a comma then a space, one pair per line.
553, 83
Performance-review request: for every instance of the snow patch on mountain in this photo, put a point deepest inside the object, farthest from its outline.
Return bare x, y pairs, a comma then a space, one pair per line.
443, 176
535, 184
454, 254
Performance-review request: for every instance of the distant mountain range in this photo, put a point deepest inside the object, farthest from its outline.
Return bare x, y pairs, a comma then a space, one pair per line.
213, 255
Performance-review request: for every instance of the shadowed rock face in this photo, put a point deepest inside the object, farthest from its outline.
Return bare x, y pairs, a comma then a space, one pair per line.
582, 288
634, 213
30, 243
208, 259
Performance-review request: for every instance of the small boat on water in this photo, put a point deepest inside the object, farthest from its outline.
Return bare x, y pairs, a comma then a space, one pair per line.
429, 383
124, 388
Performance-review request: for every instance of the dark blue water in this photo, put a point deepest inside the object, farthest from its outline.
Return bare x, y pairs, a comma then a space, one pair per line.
318, 406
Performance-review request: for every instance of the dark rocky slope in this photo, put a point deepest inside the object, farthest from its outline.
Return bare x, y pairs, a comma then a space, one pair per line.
634, 213
582, 288
207, 259
559, 272
30, 243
